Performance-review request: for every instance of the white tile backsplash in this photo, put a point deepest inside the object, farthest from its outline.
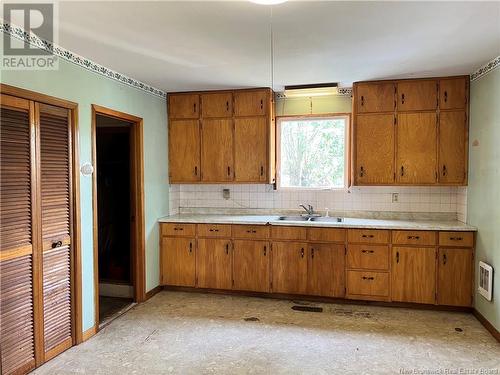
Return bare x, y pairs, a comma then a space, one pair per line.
411, 199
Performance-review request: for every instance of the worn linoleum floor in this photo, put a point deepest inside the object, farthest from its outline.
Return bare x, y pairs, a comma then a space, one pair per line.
192, 333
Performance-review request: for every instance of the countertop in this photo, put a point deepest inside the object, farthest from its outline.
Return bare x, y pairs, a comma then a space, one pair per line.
346, 223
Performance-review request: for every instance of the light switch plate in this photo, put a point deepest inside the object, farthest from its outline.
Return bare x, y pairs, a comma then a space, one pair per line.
395, 197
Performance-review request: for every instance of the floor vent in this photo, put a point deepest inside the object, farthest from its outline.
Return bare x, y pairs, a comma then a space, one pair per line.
485, 280
307, 308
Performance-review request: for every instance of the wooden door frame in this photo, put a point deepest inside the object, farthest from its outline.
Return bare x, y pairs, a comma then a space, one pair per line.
76, 262
137, 189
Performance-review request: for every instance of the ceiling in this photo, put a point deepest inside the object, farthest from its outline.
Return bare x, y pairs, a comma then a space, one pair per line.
186, 45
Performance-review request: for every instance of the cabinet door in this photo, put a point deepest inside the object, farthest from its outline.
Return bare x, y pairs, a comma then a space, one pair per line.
375, 97
374, 149
184, 106
178, 261
453, 93
213, 264
289, 267
250, 144
217, 105
417, 95
184, 150
455, 277
326, 270
251, 265
416, 148
217, 150
251, 103
414, 274
452, 147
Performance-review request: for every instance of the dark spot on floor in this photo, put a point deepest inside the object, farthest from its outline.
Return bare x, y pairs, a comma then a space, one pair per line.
251, 319
307, 308
459, 329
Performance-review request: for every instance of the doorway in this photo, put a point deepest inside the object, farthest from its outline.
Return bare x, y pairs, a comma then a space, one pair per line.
118, 213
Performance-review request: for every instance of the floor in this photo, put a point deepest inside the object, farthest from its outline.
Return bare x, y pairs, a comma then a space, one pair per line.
111, 306
192, 333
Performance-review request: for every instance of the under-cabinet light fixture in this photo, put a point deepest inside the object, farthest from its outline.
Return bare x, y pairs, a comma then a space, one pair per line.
319, 89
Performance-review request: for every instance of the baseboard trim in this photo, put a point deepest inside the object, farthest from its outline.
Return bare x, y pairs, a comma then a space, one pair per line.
153, 291
89, 333
486, 324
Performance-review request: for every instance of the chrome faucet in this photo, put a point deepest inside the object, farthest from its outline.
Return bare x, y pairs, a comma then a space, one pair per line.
309, 209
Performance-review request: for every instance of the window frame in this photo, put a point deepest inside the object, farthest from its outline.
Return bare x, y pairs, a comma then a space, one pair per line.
347, 159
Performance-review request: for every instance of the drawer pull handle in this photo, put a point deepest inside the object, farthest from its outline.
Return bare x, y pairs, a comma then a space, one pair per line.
367, 236
213, 230
403, 98
361, 172
368, 251
312, 253
227, 248
56, 244
178, 228
444, 259
397, 257
227, 106
413, 237
262, 170
190, 247
368, 278
302, 253
265, 250
251, 231
261, 104
456, 238
362, 100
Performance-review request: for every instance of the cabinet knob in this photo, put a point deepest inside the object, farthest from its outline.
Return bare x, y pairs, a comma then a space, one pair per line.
312, 253
56, 244
262, 170
302, 253
361, 171
362, 100
196, 170
265, 250
190, 247
402, 171
445, 172
403, 98
445, 96
397, 256
194, 107
228, 170
227, 248
261, 104
227, 106
444, 259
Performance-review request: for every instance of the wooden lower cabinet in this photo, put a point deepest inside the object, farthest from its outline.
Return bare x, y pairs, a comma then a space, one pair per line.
251, 265
178, 261
326, 265
413, 274
213, 263
368, 285
289, 267
455, 277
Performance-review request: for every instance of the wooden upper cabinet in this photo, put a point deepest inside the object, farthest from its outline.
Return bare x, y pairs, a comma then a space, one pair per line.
452, 147
184, 150
250, 141
374, 149
453, 93
375, 97
455, 277
289, 267
419, 95
414, 274
416, 148
184, 106
217, 105
251, 103
217, 150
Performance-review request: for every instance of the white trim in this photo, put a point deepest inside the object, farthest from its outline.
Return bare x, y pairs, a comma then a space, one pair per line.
76, 59
486, 68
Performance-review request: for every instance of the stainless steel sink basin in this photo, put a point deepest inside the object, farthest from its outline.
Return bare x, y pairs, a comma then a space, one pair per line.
293, 218
328, 219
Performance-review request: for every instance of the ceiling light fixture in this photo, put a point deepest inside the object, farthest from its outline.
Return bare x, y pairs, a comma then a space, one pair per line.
268, 2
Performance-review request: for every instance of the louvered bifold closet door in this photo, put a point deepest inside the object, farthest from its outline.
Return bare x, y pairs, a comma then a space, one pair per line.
17, 343
56, 211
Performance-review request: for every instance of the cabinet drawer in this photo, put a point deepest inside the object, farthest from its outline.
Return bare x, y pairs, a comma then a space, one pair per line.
370, 257
368, 236
178, 230
288, 233
250, 231
214, 230
362, 283
326, 234
413, 237
461, 239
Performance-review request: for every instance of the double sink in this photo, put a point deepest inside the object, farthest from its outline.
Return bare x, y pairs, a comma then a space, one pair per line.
326, 219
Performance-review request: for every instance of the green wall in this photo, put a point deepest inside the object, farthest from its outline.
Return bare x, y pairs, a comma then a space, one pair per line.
483, 206
79, 85
315, 105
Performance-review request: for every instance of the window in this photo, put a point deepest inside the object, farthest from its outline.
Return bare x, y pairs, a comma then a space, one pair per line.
312, 152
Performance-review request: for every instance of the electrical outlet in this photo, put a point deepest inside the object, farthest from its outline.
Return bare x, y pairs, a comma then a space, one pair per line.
395, 197
226, 193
